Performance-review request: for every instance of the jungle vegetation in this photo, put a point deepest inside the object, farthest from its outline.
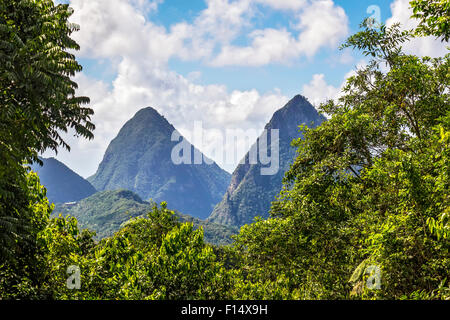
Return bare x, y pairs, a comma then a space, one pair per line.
368, 191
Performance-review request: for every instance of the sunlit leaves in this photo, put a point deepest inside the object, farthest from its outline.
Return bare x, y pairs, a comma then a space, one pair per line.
434, 17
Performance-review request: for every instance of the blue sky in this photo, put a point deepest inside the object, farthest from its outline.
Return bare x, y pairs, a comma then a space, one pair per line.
227, 63
288, 77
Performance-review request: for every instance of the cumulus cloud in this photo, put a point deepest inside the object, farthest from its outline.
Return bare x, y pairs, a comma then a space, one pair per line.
118, 27
268, 46
282, 46
138, 50
319, 91
114, 28
424, 46
322, 24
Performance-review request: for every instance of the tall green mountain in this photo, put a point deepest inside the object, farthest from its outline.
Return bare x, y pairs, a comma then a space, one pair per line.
106, 211
62, 184
139, 159
250, 192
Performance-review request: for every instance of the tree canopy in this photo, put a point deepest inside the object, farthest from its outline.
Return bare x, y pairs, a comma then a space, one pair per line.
363, 213
38, 102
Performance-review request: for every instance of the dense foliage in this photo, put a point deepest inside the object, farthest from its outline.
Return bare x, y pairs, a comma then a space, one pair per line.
369, 189
363, 213
106, 211
21, 267
37, 96
151, 257
434, 17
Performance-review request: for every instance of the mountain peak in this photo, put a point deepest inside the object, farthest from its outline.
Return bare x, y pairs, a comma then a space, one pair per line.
298, 99
147, 126
61, 182
149, 114
297, 104
297, 111
250, 194
139, 159
148, 111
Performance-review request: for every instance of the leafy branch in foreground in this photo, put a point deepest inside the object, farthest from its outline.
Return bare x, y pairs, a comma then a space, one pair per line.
434, 16
38, 102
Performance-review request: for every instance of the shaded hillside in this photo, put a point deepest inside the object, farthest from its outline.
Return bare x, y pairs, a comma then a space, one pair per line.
139, 159
104, 212
62, 184
250, 193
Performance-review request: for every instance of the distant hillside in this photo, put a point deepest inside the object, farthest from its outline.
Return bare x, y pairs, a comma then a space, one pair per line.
62, 184
139, 159
250, 194
104, 212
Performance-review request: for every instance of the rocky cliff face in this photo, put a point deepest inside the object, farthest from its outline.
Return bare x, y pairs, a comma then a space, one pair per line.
250, 192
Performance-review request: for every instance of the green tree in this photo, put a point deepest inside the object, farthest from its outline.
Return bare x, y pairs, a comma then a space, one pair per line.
64, 246
21, 267
38, 102
155, 257
186, 268
38, 97
405, 220
434, 16
368, 187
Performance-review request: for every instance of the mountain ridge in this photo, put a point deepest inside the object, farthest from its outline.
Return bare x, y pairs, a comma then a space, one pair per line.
139, 159
62, 183
250, 193
105, 212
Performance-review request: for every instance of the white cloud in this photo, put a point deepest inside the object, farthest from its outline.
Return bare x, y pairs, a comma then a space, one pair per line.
319, 91
147, 5
424, 46
282, 46
114, 28
283, 4
322, 24
268, 46
222, 20
118, 27
194, 76
119, 31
